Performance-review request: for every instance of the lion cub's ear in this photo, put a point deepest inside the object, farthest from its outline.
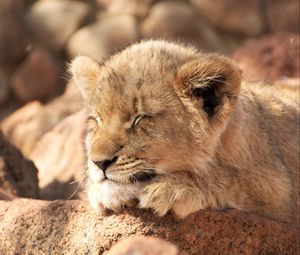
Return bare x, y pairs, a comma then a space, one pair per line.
85, 73
211, 79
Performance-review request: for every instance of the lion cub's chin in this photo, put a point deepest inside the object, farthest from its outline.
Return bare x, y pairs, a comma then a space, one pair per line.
111, 195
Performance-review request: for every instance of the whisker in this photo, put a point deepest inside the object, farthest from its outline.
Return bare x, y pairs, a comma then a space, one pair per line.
77, 188
80, 181
135, 181
73, 182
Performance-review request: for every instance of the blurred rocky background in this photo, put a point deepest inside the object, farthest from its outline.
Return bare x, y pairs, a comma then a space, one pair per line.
41, 116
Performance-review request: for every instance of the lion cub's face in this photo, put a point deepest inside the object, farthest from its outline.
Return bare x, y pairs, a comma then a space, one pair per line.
155, 108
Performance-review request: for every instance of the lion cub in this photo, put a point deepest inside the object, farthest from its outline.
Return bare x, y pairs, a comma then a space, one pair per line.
176, 130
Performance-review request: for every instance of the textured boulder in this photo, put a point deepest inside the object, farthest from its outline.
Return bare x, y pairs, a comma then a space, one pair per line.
59, 155
271, 57
143, 245
174, 20
283, 15
137, 8
9, 106
104, 37
54, 21
28, 124
14, 40
241, 17
18, 176
70, 227
4, 87
38, 77
4, 195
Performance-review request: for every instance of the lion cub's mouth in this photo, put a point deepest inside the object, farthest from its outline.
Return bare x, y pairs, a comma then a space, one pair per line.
137, 177
142, 176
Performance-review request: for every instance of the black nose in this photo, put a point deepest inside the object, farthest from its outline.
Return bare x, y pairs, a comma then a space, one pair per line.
104, 164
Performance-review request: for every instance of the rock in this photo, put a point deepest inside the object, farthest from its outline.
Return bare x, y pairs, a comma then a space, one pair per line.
144, 246
37, 78
9, 106
4, 87
27, 125
4, 195
14, 40
137, 8
283, 15
104, 37
70, 227
271, 57
60, 157
174, 20
18, 176
54, 21
241, 17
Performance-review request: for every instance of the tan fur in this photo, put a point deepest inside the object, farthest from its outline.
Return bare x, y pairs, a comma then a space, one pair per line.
238, 148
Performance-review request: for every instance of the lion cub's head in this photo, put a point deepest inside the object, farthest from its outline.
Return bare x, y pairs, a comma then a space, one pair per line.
155, 108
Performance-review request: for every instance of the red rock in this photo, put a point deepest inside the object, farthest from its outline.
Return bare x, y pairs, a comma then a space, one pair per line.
178, 21
60, 157
18, 176
283, 15
242, 17
144, 246
14, 40
37, 78
54, 21
137, 8
9, 106
4, 195
4, 87
28, 124
70, 227
104, 37
271, 57
47, 136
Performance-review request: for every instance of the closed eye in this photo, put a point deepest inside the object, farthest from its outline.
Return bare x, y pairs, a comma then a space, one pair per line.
136, 120
98, 119
93, 122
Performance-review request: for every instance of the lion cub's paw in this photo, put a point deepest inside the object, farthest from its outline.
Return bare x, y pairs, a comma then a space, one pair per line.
94, 199
159, 195
109, 195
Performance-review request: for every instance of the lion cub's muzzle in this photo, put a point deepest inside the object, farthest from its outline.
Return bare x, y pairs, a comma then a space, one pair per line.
125, 169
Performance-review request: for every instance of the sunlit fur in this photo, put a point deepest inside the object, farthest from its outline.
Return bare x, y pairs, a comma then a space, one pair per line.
244, 155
